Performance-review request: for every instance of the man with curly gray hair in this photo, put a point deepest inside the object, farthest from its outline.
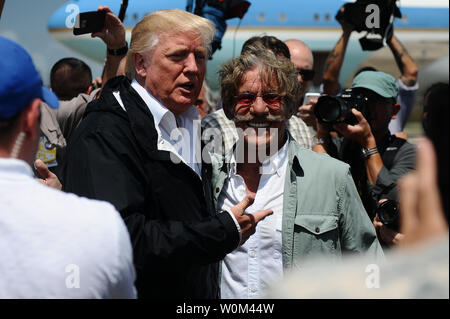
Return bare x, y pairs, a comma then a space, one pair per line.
316, 208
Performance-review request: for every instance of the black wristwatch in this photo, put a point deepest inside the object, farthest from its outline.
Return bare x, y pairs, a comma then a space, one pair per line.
118, 52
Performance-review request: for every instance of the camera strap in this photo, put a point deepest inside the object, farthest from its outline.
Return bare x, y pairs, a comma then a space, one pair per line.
391, 150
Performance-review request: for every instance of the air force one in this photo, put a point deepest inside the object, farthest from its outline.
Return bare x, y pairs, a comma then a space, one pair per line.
423, 29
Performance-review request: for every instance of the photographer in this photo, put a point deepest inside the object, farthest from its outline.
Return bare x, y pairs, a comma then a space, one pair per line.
407, 83
376, 157
58, 125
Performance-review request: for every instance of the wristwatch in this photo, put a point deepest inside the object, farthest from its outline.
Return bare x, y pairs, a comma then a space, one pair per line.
118, 52
366, 152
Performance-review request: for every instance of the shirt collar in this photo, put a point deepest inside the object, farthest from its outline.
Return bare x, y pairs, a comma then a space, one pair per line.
11, 168
158, 110
274, 164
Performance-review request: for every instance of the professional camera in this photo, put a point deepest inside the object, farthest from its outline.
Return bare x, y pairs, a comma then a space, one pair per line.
389, 214
378, 23
330, 110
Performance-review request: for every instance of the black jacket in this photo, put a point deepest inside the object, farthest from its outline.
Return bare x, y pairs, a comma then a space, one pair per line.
177, 237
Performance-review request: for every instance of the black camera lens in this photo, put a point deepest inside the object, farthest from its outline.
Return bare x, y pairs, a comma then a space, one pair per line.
329, 109
335, 109
388, 213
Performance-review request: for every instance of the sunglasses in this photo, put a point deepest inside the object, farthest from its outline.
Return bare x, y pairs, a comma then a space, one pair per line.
307, 75
248, 98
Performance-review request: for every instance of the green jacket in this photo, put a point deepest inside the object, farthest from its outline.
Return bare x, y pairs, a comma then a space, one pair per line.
322, 211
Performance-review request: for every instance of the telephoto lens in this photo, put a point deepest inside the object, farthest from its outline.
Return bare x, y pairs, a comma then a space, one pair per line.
389, 214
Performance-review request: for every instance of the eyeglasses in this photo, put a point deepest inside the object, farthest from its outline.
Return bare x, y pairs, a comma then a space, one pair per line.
307, 75
248, 98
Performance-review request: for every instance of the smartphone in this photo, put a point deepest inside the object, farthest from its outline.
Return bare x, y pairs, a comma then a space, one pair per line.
309, 97
89, 22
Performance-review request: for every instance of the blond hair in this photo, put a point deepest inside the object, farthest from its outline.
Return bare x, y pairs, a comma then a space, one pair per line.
145, 35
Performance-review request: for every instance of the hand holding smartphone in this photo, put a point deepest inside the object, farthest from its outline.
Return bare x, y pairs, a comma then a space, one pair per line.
310, 97
89, 22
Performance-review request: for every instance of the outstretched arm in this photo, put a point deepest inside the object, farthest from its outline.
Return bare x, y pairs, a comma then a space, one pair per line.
113, 34
405, 63
334, 62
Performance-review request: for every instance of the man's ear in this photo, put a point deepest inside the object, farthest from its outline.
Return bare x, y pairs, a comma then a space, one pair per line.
31, 121
396, 108
140, 65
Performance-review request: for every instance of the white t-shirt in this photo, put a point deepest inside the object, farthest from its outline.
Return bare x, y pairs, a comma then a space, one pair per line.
58, 245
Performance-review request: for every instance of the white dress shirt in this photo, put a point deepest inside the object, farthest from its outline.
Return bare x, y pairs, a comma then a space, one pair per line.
182, 140
254, 266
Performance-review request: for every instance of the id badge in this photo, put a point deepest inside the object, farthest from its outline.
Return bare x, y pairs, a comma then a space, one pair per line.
46, 152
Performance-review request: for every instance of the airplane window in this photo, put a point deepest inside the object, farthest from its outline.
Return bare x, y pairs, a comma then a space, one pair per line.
135, 16
261, 17
283, 17
327, 17
316, 17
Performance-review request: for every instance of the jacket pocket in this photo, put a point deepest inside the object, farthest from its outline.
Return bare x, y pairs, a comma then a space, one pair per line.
315, 234
317, 224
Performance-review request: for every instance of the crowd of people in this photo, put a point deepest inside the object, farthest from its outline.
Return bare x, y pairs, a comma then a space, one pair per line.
145, 184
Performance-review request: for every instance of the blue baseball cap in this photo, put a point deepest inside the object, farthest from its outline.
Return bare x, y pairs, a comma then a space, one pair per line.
20, 82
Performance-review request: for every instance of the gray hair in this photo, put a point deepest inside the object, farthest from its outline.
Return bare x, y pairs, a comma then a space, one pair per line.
275, 71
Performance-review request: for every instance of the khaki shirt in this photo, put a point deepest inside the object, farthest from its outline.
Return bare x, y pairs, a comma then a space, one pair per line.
322, 211
57, 125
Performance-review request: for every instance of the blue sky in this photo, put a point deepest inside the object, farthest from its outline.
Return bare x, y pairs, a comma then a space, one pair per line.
25, 21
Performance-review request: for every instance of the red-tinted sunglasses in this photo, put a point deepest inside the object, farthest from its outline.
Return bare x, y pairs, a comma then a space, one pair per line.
248, 98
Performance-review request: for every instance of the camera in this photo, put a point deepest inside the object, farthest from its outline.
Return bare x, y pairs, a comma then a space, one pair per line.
389, 214
361, 15
330, 110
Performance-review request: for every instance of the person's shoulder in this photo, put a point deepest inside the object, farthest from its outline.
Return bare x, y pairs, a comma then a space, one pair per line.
319, 161
403, 146
79, 215
75, 207
295, 120
214, 119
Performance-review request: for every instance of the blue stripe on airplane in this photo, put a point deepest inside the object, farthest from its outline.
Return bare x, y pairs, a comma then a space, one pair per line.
264, 13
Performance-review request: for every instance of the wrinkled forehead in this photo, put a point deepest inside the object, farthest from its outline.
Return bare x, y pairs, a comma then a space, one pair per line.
177, 43
258, 78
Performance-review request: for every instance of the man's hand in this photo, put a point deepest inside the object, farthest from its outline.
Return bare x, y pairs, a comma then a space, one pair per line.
49, 178
306, 113
385, 234
248, 222
346, 27
113, 34
97, 83
359, 132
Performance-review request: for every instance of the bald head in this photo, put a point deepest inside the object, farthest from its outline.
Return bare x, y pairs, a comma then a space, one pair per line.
302, 58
